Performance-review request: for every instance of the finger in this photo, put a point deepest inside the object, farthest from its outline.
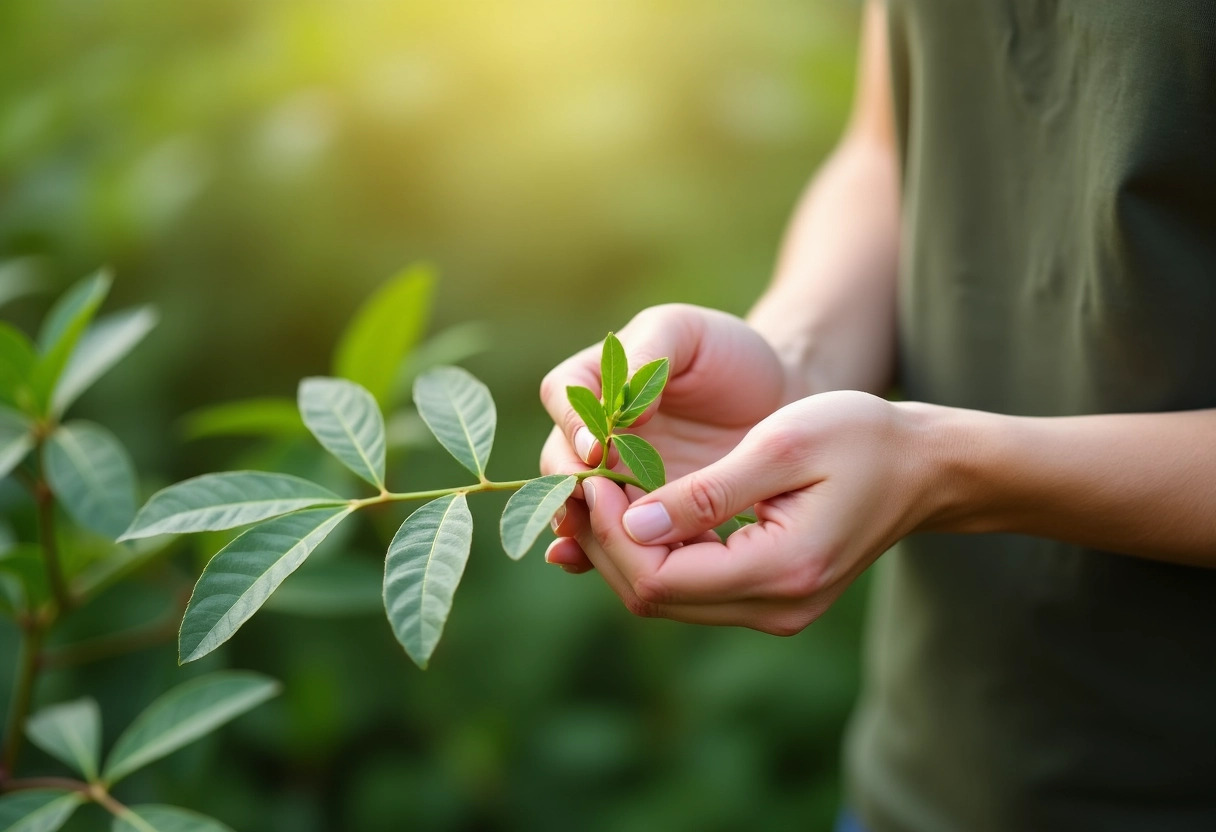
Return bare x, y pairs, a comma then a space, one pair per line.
763, 465
566, 553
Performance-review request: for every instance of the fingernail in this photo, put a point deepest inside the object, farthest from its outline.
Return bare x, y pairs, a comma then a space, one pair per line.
549, 550
573, 570
558, 517
645, 523
584, 444
589, 495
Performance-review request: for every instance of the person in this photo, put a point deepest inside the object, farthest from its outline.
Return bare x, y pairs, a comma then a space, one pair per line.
1018, 228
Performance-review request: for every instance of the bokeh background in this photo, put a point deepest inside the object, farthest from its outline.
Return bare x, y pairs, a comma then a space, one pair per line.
256, 170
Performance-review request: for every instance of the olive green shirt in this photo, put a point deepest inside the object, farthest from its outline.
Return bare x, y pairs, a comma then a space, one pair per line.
1059, 258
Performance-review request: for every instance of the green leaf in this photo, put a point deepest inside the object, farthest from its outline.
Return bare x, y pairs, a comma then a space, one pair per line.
614, 371
16, 440
530, 509
643, 460
101, 346
37, 810
213, 502
459, 410
62, 329
17, 360
156, 818
268, 416
71, 733
422, 570
331, 589
347, 422
383, 332
242, 575
589, 409
645, 386
91, 474
183, 715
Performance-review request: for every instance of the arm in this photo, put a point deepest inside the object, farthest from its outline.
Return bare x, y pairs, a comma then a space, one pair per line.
838, 263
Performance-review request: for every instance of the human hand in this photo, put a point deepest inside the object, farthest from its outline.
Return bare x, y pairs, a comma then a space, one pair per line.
836, 479
724, 378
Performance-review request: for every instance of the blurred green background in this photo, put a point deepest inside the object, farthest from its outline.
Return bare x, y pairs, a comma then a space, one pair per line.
255, 170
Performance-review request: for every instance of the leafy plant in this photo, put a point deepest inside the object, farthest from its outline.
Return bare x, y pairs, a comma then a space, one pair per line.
83, 468
427, 556
71, 733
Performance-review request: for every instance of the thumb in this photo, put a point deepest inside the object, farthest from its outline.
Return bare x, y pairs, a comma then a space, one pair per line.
694, 504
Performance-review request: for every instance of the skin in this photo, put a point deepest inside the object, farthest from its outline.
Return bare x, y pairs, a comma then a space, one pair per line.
836, 474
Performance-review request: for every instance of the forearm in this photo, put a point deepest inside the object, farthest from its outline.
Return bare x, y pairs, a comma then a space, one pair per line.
1137, 484
830, 310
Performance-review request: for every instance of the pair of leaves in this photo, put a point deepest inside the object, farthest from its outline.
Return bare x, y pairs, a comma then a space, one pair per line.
86, 466
622, 401
71, 732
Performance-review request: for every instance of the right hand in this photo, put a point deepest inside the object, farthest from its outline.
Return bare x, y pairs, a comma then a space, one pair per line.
724, 379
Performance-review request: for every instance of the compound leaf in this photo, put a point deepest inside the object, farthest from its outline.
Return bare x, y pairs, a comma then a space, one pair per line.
213, 502
157, 818
645, 386
37, 810
614, 371
242, 575
347, 422
101, 346
383, 332
183, 715
16, 440
459, 410
643, 460
90, 472
589, 409
71, 733
425, 562
530, 509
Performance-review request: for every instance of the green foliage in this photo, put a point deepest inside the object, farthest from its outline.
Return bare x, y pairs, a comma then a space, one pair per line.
156, 818
102, 345
460, 412
425, 562
38, 810
184, 714
254, 417
242, 575
384, 331
62, 329
71, 733
347, 422
90, 472
620, 404
530, 509
16, 439
213, 502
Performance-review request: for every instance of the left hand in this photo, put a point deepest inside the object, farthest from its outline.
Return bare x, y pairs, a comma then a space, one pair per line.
836, 479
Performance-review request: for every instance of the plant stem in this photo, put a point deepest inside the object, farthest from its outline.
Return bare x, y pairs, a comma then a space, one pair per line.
114, 644
45, 783
50, 550
23, 689
484, 485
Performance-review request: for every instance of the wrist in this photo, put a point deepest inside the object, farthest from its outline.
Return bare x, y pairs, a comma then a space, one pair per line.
957, 453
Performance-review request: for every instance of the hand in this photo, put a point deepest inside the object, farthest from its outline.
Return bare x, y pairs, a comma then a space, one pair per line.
835, 479
724, 379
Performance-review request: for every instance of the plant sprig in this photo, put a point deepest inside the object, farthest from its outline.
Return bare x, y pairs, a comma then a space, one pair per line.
427, 556
622, 401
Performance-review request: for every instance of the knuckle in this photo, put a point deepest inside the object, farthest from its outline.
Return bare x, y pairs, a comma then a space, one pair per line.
548, 386
640, 608
651, 590
708, 501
